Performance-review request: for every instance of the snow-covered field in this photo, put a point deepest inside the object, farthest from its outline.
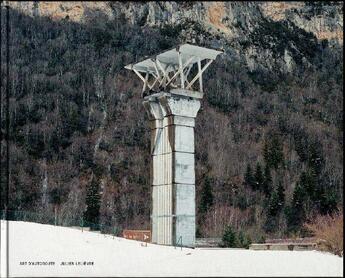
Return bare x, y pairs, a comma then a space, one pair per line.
31, 243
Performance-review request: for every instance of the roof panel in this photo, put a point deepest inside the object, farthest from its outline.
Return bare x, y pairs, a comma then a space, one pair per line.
170, 57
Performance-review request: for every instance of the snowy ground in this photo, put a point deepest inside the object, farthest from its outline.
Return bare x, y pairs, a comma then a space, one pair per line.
32, 243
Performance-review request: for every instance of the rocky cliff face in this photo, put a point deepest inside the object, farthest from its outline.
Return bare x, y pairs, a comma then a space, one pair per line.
323, 19
262, 35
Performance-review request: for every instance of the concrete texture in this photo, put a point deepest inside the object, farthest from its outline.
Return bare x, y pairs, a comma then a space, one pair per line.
172, 119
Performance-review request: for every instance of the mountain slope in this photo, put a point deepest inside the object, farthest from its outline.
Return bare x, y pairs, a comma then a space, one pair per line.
274, 99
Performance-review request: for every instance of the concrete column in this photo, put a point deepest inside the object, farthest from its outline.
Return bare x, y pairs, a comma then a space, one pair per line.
172, 116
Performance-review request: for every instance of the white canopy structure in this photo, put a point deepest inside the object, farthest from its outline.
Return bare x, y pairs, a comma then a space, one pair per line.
172, 67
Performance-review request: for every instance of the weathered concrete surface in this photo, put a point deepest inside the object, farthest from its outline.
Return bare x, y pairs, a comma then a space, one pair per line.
208, 242
172, 116
283, 246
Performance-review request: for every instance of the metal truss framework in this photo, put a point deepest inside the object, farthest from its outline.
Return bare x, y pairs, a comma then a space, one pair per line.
172, 69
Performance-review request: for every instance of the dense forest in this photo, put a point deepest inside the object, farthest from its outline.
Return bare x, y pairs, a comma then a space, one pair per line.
269, 143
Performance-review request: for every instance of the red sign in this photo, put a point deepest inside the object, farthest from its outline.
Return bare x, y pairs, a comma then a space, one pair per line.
141, 235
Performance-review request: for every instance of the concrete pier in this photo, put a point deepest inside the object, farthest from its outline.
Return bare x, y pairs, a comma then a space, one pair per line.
172, 114
172, 119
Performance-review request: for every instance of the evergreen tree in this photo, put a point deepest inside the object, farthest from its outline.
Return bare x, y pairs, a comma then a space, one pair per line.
328, 202
301, 148
206, 196
266, 153
296, 212
273, 206
249, 178
93, 200
277, 155
243, 240
308, 181
259, 177
273, 152
315, 157
281, 195
267, 184
298, 196
229, 237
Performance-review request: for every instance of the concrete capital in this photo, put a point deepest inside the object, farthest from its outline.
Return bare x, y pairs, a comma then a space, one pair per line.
179, 105
153, 109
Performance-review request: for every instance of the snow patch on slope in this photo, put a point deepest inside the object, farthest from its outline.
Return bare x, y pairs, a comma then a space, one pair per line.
113, 256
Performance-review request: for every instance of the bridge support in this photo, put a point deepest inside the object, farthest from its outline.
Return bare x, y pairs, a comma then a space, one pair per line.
172, 119
171, 77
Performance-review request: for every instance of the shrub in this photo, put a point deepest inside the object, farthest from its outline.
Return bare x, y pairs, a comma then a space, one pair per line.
235, 240
243, 240
329, 232
229, 237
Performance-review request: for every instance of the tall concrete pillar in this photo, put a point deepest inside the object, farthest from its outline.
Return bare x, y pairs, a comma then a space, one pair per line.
172, 119
172, 114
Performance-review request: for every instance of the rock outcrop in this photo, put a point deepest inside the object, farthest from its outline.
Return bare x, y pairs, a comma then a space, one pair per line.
323, 19
262, 34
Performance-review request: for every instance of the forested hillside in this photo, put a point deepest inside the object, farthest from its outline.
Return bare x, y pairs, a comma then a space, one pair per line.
269, 136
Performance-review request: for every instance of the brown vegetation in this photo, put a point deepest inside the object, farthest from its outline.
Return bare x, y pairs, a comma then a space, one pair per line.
329, 232
218, 217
